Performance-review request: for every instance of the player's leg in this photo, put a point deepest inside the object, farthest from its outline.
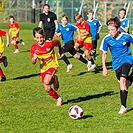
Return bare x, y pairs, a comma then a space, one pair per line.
122, 76
47, 81
49, 34
3, 77
14, 42
65, 49
94, 44
4, 60
91, 63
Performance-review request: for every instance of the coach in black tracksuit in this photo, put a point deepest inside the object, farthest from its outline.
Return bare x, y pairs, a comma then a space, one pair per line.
49, 21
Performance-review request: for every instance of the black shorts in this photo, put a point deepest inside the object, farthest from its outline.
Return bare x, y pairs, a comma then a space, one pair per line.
123, 71
49, 34
69, 47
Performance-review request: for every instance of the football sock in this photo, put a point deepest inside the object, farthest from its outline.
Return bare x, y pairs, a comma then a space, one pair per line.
80, 51
82, 59
53, 94
1, 73
65, 59
1, 59
123, 97
16, 46
92, 61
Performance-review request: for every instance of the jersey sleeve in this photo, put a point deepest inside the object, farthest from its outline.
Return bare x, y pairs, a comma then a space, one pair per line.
54, 16
55, 42
104, 45
32, 51
74, 28
2, 33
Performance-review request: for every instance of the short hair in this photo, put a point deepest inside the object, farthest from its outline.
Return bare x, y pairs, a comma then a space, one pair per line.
77, 16
90, 11
46, 5
64, 16
38, 30
123, 9
11, 16
114, 22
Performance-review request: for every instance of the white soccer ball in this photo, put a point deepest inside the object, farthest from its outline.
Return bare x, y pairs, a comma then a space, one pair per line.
75, 112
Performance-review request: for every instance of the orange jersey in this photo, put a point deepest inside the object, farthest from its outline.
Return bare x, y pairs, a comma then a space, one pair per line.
83, 28
45, 54
2, 33
13, 27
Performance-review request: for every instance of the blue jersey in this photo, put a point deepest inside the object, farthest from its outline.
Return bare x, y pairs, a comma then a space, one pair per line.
119, 48
124, 23
67, 32
94, 27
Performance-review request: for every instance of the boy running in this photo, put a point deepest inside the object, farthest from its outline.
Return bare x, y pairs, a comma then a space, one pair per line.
84, 39
3, 59
95, 28
14, 30
66, 31
44, 52
119, 45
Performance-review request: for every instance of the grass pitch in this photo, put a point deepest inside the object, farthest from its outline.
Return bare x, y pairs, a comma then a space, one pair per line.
26, 108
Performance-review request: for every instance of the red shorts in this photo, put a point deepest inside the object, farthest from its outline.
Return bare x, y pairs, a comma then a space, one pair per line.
50, 71
14, 38
88, 46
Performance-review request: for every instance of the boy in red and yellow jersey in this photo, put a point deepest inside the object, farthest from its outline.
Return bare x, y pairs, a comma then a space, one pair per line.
84, 38
44, 52
14, 30
3, 58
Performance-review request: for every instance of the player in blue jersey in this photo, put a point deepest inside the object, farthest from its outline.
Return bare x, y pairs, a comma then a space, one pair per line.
124, 21
118, 43
95, 28
66, 31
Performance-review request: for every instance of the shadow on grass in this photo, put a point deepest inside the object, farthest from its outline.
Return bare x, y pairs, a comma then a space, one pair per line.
86, 116
27, 76
80, 99
129, 110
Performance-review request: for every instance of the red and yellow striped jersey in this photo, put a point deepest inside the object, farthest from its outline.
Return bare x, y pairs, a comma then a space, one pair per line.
45, 54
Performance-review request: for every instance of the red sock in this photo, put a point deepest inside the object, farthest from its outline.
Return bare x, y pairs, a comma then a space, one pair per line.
1, 73
16, 46
1, 60
53, 94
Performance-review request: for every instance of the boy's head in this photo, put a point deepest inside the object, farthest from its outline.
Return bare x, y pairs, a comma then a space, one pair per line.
90, 14
78, 17
122, 13
11, 19
64, 19
38, 35
46, 8
113, 25
38, 30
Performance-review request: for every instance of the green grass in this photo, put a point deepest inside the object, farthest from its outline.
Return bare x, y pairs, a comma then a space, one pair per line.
26, 108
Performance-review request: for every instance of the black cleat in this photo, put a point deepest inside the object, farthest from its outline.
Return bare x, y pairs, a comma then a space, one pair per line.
3, 78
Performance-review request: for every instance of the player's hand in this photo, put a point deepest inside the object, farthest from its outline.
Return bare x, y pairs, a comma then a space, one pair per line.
58, 34
105, 72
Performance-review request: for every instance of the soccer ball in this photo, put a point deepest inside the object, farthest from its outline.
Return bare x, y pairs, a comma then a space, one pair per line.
75, 112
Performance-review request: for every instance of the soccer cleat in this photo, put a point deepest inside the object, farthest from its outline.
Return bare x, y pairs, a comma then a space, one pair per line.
93, 66
5, 61
56, 83
22, 42
59, 102
69, 67
123, 110
95, 56
16, 51
3, 79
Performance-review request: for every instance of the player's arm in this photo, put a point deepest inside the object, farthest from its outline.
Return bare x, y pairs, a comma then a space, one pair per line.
34, 58
56, 24
125, 29
7, 39
105, 71
40, 24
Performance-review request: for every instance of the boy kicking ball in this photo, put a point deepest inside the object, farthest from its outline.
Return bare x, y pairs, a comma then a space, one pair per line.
44, 52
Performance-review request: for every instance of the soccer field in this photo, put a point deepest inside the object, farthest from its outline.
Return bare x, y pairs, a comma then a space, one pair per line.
26, 108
